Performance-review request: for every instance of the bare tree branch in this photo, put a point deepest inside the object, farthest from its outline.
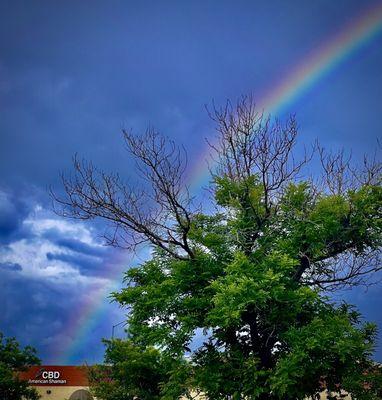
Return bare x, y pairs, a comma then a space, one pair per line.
339, 175
160, 215
344, 270
250, 144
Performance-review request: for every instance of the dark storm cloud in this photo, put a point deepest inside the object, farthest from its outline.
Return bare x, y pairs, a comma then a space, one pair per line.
88, 265
13, 212
38, 312
37, 307
72, 75
29, 311
87, 258
74, 245
11, 266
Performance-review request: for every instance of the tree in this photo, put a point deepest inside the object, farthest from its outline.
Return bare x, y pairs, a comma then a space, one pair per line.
255, 274
133, 372
13, 360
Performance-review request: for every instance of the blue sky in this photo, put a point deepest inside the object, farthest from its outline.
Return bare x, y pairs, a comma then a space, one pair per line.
74, 73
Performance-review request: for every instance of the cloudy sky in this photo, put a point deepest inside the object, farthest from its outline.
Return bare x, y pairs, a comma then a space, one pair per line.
74, 73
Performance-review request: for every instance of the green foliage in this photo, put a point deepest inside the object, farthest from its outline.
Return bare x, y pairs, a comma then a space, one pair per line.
327, 225
13, 359
330, 342
269, 335
135, 372
265, 285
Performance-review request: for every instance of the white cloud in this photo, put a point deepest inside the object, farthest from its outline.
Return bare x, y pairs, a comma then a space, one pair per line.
41, 220
31, 252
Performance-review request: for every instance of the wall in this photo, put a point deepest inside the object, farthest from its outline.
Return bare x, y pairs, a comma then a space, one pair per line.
60, 392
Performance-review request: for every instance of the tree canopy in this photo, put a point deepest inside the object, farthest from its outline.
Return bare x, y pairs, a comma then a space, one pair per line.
253, 276
14, 359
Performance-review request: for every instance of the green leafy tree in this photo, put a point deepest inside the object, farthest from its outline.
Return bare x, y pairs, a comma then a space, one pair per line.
135, 372
253, 275
13, 359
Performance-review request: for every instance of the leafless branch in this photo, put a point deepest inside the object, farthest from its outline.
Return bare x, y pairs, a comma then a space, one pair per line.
340, 175
159, 215
344, 270
251, 144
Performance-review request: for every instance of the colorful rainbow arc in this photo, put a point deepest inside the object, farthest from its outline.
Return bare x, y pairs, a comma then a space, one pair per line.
308, 73
86, 317
324, 60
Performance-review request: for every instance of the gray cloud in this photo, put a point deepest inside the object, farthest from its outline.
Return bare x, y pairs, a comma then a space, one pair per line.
39, 313
11, 266
49, 270
88, 265
13, 212
74, 245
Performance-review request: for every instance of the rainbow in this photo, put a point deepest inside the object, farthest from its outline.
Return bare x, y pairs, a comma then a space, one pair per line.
93, 309
360, 31
90, 311
308, 73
